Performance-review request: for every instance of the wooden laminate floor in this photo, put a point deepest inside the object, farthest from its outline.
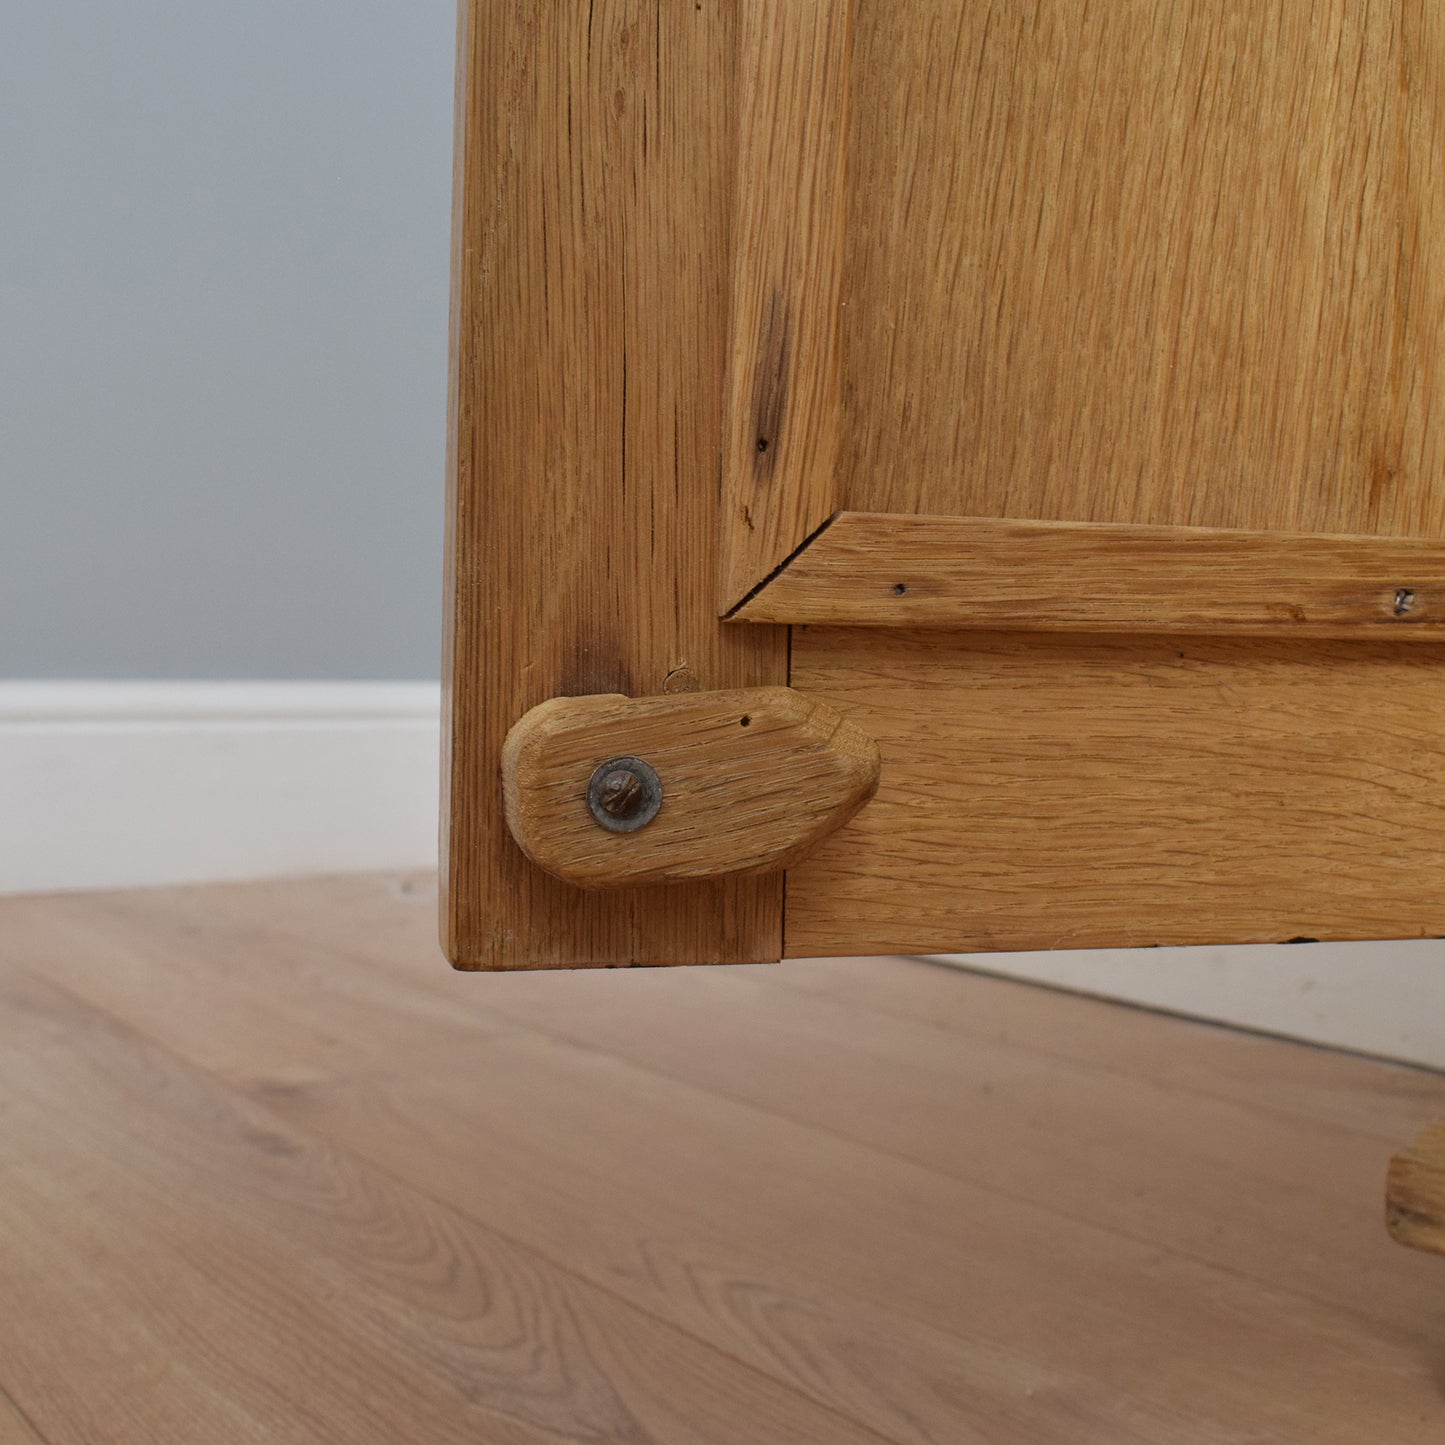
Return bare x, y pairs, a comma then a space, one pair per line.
269, 1171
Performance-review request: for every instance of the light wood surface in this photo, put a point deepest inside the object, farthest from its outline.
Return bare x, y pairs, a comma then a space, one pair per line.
595, 162
273, 1172
1131, 263
783, 419
1169, 264
1136, 264
1415, 1196
751, 780
1056, 792
879, 569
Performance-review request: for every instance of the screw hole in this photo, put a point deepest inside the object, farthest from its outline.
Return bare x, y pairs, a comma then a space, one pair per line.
762, 444
900, 589
747, 721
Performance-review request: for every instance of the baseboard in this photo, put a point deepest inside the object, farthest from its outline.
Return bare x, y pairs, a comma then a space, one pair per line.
1372, 998
118, 785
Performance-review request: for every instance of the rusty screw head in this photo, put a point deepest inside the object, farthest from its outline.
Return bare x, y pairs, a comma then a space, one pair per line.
624, 795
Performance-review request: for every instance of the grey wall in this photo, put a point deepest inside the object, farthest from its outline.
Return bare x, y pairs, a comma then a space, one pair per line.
223, 291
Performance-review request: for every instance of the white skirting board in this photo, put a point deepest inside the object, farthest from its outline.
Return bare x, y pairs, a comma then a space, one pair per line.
1386, 999
114, 785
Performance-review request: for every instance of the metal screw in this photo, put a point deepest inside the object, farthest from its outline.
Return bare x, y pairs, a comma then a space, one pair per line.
625, 794
621, 794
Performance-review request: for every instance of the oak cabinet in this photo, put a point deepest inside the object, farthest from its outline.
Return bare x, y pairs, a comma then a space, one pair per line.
1048, 390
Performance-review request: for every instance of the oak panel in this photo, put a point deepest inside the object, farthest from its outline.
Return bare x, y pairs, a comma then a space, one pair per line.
595, 166
1049, 792
1169, 263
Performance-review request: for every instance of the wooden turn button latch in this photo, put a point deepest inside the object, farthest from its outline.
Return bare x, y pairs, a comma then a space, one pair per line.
614, 792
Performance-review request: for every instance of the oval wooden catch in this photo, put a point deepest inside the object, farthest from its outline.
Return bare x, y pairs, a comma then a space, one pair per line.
751, 781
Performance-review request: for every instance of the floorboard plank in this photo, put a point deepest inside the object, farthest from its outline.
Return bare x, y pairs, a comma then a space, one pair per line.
1219, 1181
887, 1368
180, 1264
1308, 1085
657, 1169
1240, 1183
387, 926
1005, 1216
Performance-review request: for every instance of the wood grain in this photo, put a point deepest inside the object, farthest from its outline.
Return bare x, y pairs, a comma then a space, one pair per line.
1312, 1088
1415, 1192
828, 1218
808, 1060
672, 1205
782, 421
1148, 263
1078, 793
595, 168
752, 781
871, 569
354, 1307
1135, 264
